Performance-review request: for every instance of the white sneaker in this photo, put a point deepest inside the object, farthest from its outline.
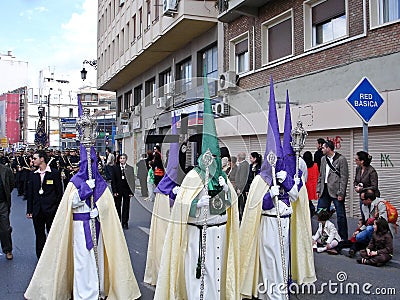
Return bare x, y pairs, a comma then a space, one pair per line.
321, 249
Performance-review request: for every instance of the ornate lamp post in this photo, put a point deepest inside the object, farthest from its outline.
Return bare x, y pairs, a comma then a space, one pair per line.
299, 136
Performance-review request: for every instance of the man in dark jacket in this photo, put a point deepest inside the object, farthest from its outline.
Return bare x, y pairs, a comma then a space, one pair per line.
142, 175
44, 196
123, 187
242, 174
6, 186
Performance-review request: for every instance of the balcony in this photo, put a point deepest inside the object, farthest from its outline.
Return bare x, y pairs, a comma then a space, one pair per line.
164, 37
233, 9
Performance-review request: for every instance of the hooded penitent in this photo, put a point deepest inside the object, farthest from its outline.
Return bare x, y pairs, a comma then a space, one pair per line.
170, 179
210, 141
273, 139
273, 145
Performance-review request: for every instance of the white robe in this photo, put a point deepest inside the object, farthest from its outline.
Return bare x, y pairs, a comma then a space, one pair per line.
86, 278
53, 278
215, 249
270, 253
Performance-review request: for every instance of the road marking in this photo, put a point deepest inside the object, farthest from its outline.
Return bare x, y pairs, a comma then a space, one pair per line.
145, 230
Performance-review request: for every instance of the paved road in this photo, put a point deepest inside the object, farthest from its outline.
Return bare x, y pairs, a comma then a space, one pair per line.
15, 275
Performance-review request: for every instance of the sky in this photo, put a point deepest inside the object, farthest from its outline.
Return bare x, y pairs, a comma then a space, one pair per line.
57, 35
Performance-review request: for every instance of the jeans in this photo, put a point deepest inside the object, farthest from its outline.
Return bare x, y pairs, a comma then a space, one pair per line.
325, 202
365, 235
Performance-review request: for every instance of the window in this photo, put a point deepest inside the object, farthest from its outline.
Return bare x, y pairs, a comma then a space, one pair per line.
328, 21
127, 101
119, 104
209, 58
150, 92
184, 75
122, 42
137, 95
116, 50
156, 10
148, 19
277, 38
389, 10
242, 56
140, 22
133, 34
71, 112
165, 83
384, 12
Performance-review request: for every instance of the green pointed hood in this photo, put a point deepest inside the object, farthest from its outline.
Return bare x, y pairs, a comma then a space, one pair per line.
210, 141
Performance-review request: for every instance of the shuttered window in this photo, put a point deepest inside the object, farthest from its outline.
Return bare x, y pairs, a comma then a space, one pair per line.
280, 40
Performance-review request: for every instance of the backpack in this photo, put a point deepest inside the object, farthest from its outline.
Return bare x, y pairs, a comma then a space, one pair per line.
392, 213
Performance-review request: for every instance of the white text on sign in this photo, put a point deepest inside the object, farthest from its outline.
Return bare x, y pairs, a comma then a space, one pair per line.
365, 103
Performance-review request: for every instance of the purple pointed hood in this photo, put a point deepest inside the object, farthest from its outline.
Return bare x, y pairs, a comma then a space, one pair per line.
170, 179
289, 156
273, 139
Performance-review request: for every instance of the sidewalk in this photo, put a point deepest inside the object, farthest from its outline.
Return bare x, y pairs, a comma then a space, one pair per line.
352, 224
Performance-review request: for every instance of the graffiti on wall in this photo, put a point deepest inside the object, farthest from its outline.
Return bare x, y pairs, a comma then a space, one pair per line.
386, 161
336, 141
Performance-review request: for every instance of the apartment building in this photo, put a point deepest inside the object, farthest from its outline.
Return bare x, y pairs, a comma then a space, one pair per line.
151, 53
318, 50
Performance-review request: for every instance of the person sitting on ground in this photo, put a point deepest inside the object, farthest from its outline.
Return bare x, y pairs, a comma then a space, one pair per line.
372, 208
380, 248
326, 237
352, 242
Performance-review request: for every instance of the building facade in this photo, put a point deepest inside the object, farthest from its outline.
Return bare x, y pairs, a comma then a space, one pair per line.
318, 50
147, 55
10, 119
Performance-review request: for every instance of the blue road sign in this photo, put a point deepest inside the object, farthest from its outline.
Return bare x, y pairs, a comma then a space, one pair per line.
365, 99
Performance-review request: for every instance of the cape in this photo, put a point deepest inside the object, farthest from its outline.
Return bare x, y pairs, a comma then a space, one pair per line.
53, 276
158, 228
171, 278
302, 258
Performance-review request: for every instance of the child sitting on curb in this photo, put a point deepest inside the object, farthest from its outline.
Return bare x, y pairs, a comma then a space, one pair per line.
326, 238
380, 248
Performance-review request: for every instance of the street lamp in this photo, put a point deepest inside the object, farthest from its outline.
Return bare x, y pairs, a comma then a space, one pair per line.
92, 63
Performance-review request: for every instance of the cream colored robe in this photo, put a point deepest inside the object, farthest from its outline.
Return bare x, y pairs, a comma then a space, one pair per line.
53, 276
171, 278
302, 258
159, 223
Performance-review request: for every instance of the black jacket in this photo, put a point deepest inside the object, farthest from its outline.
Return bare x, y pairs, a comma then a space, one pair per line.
48, 202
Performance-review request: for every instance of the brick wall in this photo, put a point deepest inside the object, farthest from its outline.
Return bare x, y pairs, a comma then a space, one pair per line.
378, 42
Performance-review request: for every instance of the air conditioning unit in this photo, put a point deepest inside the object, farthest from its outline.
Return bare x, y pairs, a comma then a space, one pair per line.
227, 81
137, 110
169, 7
161, 102
221, 109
